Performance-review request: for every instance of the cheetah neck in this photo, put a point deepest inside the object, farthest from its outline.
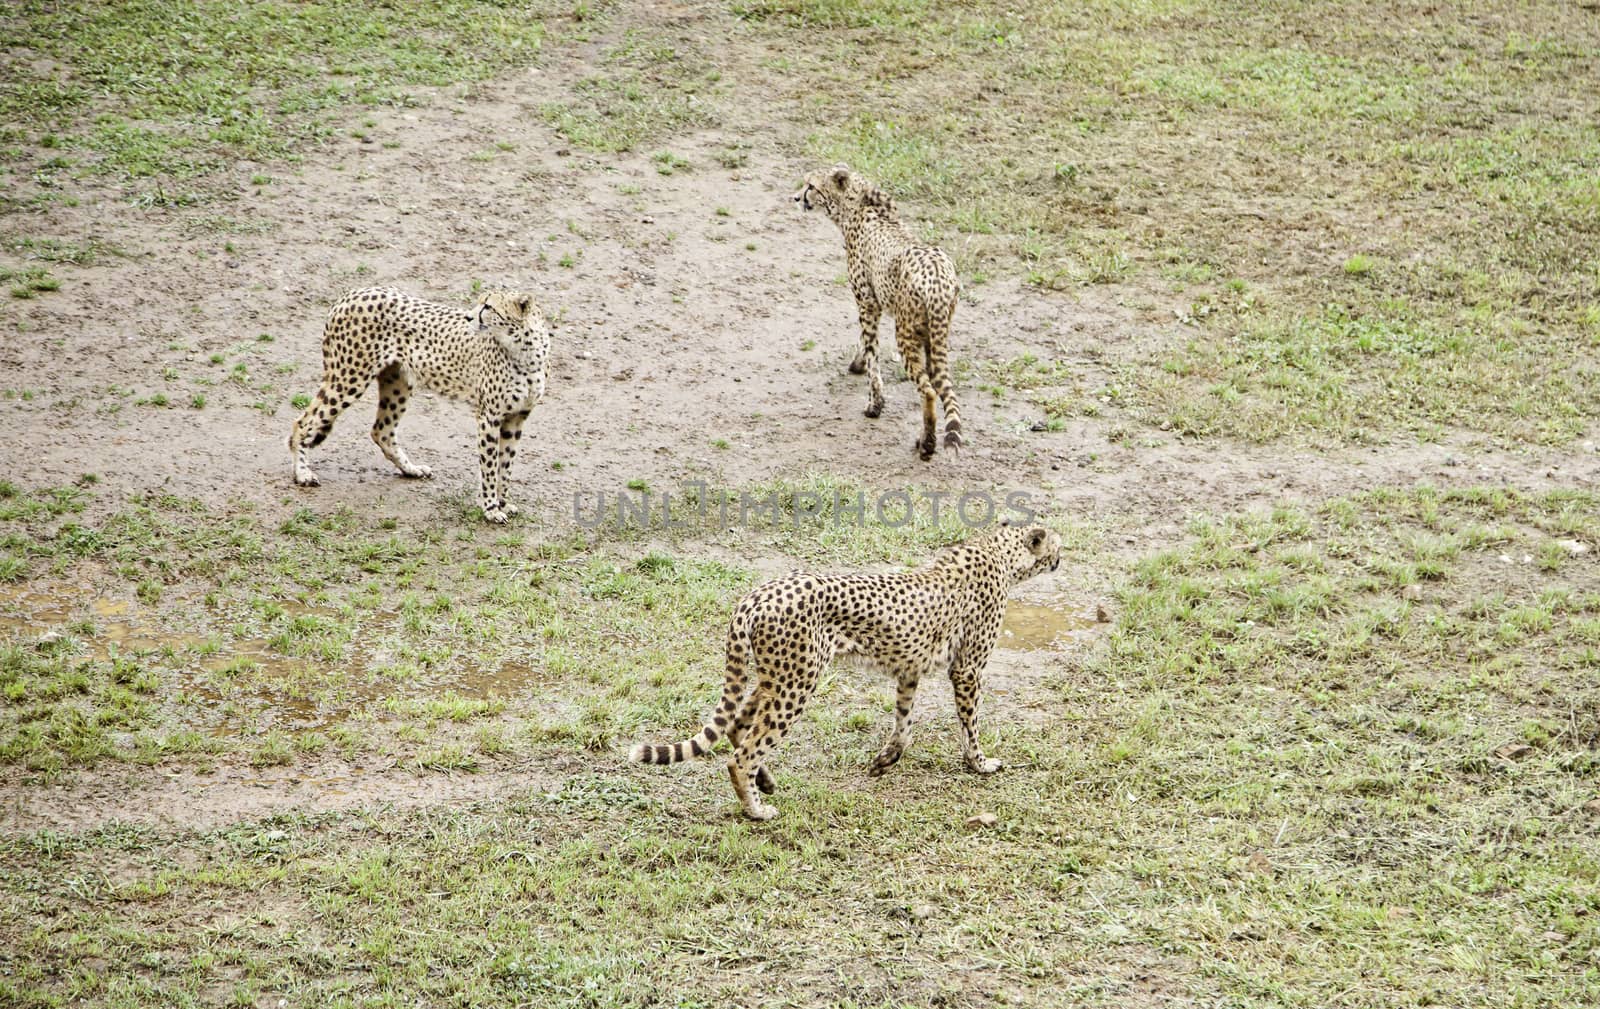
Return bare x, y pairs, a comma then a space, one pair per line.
522, 349
857, 222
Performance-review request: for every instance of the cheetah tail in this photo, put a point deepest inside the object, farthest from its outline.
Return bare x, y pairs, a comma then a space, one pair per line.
672, 753
939, 373
721, 719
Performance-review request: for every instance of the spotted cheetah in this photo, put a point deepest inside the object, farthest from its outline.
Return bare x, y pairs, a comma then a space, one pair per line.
493, 357
945, 616
890, 271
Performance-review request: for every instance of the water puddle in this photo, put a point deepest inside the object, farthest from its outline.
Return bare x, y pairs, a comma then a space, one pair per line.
109, 607
328, 784
1034, 627
101, 624
505, 680
23, 607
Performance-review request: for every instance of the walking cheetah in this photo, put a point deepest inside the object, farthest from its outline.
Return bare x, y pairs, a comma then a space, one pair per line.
493, 357
890, 272
944, 616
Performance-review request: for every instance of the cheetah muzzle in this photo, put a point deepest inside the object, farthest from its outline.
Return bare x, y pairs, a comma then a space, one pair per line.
943, 617
493, 357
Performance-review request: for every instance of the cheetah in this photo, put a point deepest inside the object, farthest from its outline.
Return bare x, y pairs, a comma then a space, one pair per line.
493, 357
890, 271
944, 616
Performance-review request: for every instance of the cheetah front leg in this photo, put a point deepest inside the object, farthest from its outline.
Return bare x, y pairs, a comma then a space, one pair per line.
966, 675
866, 360
394, 388
510, 434
489, 468
900, 738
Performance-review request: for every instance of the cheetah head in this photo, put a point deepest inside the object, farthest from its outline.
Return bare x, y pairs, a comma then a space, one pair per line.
1028, 550
839, 191
513, 318
505, 308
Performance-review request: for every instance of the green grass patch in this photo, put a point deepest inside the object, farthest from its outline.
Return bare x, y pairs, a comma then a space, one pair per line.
1359, 378
28, 282
176, 88
648, 87
331, 616
1373, 715
1069, 156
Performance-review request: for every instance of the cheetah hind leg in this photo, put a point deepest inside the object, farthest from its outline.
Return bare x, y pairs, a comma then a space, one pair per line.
394, 388
313, 425
939, 372
310, 428
736, 731
763, 729
753, 807
914, 348
928, 443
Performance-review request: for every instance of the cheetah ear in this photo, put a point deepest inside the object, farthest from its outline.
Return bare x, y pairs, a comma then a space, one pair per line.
523, 301
878, 198
841, 175
1035, 539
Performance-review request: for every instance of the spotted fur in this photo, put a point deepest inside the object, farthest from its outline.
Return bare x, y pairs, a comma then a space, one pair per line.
891, 272
942, 617
493, 357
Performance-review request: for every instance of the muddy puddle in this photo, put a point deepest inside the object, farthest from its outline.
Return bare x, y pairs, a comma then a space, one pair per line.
1040, 626
228, 685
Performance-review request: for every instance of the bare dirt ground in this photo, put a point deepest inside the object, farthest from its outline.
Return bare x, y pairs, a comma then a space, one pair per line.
186, 799
675, 327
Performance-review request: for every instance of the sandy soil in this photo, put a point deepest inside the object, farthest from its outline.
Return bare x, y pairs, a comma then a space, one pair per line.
674, 327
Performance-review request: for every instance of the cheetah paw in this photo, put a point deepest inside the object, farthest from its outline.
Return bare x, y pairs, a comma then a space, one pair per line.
760, 811
307, 479
510, 509
418, 473
882, 762
495, 515
988, 765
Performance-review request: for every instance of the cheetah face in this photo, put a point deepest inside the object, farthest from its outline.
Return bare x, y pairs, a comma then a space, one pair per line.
838, 191
815, 193
504, 308
513, 316
1030, 550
